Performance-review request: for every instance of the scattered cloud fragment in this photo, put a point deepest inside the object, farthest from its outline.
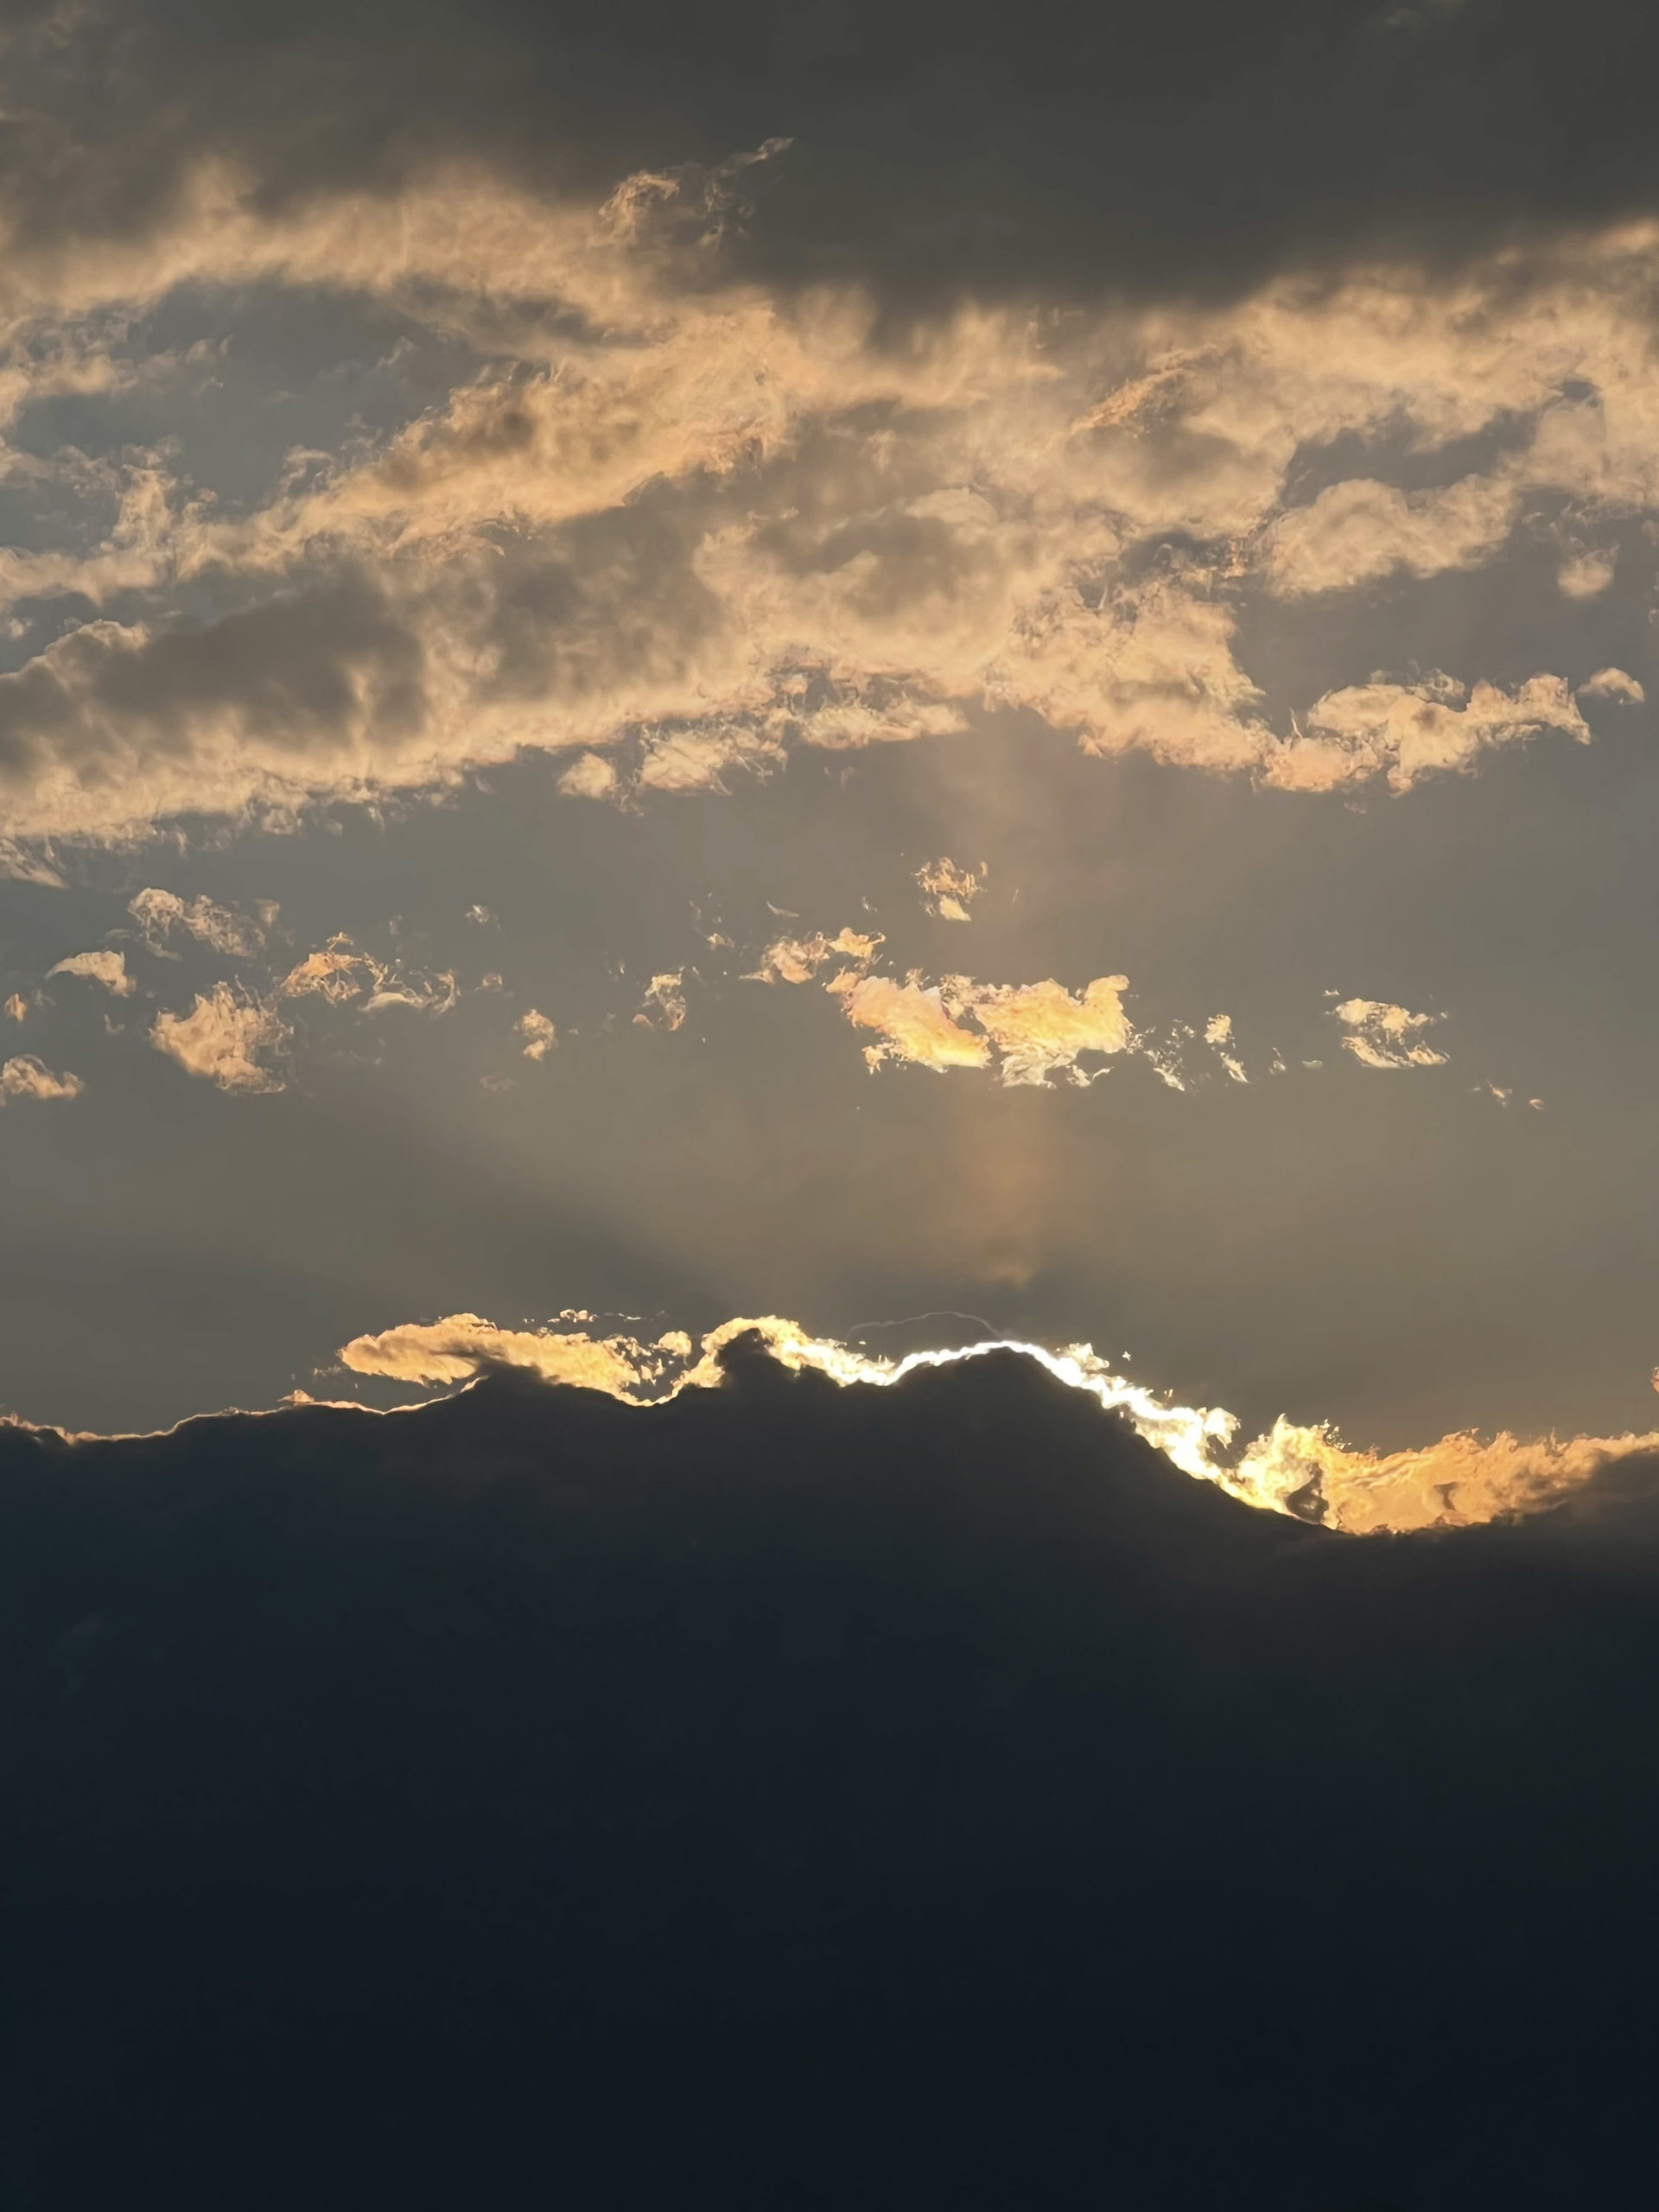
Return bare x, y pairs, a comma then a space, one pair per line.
797, 960
423, 994
590, 775
665, 1002
1218, 1035
911, 1020
1613, 684
1586, 575
1029, 1032
26, 1077
1384, 1036
949, 891
220, 1036
336, 971
16, 1007
461, 1346
700, 760
539, 1034
341, 973
159, 913
105, 967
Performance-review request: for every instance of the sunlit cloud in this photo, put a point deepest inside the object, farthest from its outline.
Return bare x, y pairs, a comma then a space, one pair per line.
665, 1002
1028, 1032
949, 891
1383, 1036
1612, 684
539, 1034
105, 967
342, 974
220, 1037
26, 1077
684, 526
162, 914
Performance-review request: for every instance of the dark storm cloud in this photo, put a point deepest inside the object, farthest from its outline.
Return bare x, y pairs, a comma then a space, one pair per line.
936, 146
945, 1718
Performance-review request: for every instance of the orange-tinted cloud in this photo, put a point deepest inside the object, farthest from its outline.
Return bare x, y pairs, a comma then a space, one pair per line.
105, 967
949, 891
1383, 1036
219, 1037
26, 1077
539, 1034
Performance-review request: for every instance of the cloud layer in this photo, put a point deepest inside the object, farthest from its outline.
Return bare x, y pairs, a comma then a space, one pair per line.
679, 524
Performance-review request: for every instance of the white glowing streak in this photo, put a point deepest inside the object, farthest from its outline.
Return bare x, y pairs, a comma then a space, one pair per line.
1186, 1435
1308, 1473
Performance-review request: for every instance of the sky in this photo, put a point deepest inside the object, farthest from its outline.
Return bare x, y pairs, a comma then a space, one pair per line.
829, 1274
950, 679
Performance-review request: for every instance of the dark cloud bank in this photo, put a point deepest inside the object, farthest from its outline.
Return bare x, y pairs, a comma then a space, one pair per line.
972, 142
806, 1796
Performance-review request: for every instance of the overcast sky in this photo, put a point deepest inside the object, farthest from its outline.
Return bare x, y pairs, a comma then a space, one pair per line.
995, 668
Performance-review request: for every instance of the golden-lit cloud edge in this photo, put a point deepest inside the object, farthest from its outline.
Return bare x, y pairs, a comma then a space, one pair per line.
1305, 1472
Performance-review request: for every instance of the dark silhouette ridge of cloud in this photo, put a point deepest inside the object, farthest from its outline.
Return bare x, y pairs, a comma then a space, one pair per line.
1188, 148
528, 1733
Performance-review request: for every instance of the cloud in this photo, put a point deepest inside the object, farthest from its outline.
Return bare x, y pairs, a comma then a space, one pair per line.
1613, 684
947, 891
1029, 1032
26, 1077
539, 1034
694, 522
1305, 1472
692, 761
797, 960
1218, 1035
1384, 1036
16, 1007
461, 1346
336, 971
218, 1040
912, 1019
1457, 1482
1358, 532
108, 969
590, 776
341, 973
1408, 730
159, 913
665, 1002
956, 1622
1586, 575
